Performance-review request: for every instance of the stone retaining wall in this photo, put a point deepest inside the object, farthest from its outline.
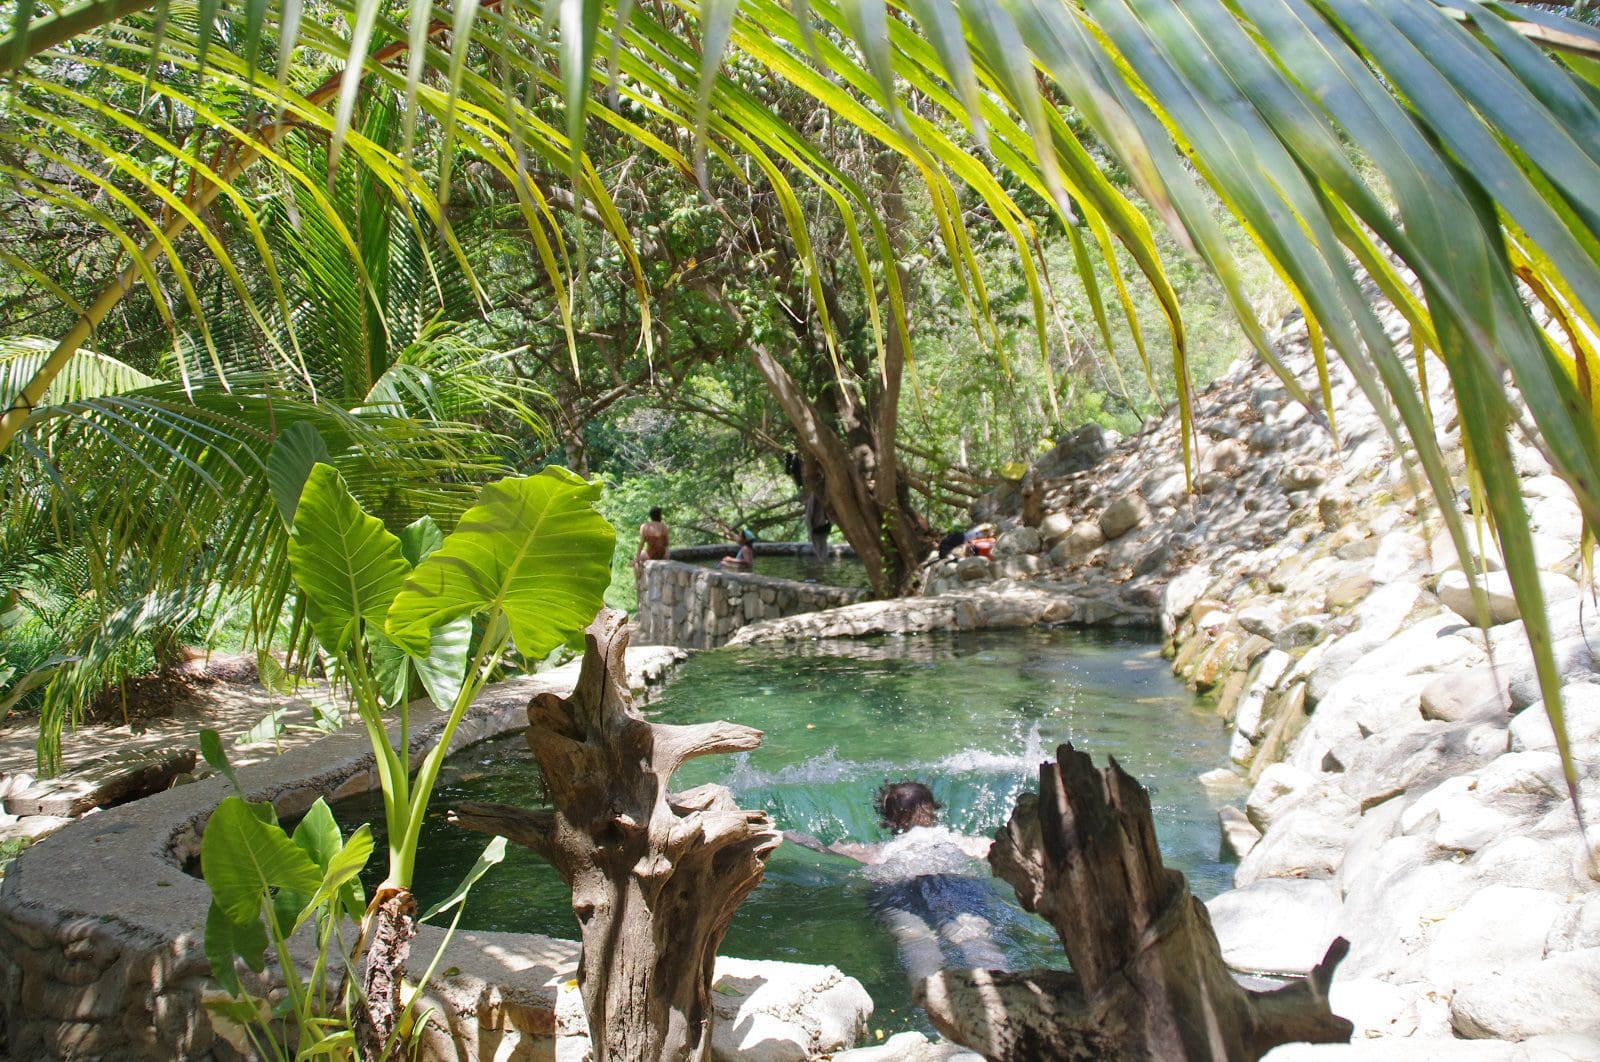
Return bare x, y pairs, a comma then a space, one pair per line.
693, 607
101, 931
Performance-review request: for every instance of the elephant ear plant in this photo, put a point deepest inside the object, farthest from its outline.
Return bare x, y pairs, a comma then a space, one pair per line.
525, 567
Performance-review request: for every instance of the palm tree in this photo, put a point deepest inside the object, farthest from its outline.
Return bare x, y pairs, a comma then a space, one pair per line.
1445, 149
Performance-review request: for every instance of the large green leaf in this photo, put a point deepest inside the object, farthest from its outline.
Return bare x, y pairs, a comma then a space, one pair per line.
298, 450
347, 564
226, 940
533, 547
242, 857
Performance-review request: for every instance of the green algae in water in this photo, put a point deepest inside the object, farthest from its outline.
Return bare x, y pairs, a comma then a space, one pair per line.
972, 715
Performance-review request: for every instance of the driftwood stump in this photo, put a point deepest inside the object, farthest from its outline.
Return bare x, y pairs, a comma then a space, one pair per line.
655, 877
1148, 980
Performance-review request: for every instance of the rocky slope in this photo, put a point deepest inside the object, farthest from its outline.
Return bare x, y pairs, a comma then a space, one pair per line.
1396, 772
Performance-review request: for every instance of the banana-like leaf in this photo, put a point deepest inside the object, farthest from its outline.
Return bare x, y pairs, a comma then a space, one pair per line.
347, 564
534, 548
227, 940
494, 852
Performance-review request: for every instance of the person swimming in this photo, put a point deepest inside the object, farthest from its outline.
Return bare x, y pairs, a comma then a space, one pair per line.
927, 889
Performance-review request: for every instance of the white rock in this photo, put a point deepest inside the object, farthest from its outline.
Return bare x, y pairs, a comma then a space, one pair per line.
1471, 694
790, 1008
1239, 835
1399, 554
1054, 527
1522, 999
1277, 789
1496, 926
1535, 773
1372, 832
1417, 757
1123, 515
1455, 590
1389, 910
908, 1047
1374, 1007
1019, 541
1580, 702
1276, 925
1307, 841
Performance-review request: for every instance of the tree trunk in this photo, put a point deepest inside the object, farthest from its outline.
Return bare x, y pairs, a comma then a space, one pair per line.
655, 877
389, 946
1148, 981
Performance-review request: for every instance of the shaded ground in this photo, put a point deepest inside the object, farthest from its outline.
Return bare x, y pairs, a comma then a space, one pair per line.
222, 693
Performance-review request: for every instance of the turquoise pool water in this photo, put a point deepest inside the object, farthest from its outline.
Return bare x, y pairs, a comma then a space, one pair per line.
972, 715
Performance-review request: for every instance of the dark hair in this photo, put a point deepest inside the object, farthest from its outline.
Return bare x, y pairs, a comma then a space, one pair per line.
902, 805
655, 514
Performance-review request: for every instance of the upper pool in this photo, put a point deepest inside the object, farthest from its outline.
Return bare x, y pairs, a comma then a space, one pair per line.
970, 714
803, 568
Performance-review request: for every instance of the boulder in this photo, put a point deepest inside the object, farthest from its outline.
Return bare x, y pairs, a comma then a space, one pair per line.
1239, 835
1080, 450
908, 1047
1574, 659
1275, 926
1455, 590
1123, 515
1054, 527
1276, 791
1390, 909
1560, 993
1496, 926
1474, 694
778, 1011
972, 569
1376, 1008
1018, 541
1162, 488
1302, 477
1417, 757
1083, 538
1580, 702
1307, 841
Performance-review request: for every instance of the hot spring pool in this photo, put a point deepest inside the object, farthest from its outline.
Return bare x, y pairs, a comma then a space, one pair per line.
805, 568
970, 714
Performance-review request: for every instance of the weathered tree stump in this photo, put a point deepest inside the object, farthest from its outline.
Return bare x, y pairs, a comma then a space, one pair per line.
655, 877
1148, 980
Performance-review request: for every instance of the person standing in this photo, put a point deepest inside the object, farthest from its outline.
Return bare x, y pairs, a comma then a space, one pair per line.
653, 538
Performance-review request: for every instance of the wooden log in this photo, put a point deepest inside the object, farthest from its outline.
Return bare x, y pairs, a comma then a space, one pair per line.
655, 877
1148, 980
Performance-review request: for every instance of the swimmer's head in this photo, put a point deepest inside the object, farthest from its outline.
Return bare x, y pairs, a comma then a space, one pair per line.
903, 805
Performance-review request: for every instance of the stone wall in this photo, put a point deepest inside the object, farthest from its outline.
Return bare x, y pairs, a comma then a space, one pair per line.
101, 932
692, 607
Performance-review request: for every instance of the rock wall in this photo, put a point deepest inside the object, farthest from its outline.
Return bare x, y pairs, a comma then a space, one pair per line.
693, 607
101, 933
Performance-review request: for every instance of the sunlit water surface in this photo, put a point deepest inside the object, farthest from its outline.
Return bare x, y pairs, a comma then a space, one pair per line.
970, 714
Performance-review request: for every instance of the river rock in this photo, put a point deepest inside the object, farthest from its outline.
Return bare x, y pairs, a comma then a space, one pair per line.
1054, 527
1162, 488
908, 1047
1378, 619
1496, 926
1455, 590
1580, 702
1472, 694
784, 1011
1083, 538
1239, 835
1560, 993
972, 569
1307, 841
1276, 925
1390, 909
1574, 659
1280, 786
1417, 757
1123, 515
1018, 541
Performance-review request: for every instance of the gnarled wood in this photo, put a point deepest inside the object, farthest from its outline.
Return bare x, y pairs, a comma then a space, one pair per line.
1148, 978
655, 877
